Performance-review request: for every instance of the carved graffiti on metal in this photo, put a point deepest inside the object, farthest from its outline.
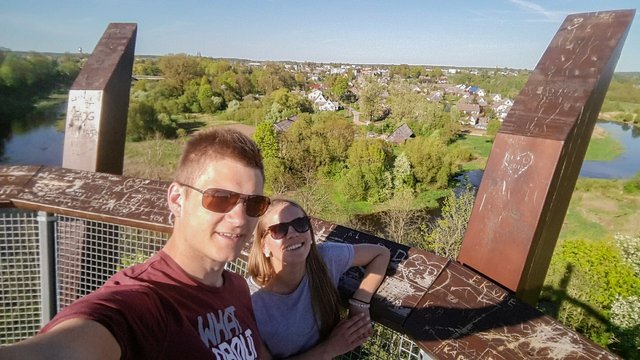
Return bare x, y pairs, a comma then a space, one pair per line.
12, 180
463, 310
130, 200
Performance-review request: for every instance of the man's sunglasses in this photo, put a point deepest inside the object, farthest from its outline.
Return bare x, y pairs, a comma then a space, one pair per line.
279, 231
222, 201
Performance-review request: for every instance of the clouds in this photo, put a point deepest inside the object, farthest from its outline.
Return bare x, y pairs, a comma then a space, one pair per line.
533, 8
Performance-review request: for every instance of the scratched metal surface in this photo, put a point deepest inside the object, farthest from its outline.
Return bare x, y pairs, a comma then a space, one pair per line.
466, 316
12, 180
117, 42
98, 196
536, 157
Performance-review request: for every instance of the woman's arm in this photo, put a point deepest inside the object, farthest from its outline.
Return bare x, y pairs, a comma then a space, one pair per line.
375, 260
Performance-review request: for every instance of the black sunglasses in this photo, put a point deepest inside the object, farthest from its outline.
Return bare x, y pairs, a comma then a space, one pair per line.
222, 201
279, 231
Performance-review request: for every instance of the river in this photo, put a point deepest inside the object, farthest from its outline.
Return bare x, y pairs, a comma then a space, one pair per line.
43, 145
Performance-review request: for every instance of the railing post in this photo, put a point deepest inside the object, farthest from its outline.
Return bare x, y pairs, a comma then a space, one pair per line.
96, 122
46, 234
537, 155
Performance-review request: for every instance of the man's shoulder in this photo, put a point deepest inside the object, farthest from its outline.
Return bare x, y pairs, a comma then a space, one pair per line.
140, 274
233, 279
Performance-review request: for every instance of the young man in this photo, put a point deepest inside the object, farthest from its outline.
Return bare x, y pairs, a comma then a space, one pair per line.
180, 303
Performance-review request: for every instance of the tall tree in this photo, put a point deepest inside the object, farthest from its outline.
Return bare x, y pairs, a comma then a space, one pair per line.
369, 158
267, 139
445, 237
179, 69
370, 100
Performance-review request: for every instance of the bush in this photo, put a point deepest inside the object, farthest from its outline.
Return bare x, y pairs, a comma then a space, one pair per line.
143, 123
632, 186
585, 279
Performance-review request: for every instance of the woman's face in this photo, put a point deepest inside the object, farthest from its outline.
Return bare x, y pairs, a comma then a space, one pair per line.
294, 247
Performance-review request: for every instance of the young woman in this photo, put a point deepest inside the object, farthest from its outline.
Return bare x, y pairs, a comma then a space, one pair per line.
294, 286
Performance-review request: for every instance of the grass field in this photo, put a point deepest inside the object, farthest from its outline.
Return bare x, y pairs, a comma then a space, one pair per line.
602, 147
600, 208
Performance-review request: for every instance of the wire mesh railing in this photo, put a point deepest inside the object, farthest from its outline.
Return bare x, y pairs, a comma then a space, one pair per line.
87, 253
20, 295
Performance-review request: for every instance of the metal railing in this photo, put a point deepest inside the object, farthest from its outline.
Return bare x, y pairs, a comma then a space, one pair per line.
79, 269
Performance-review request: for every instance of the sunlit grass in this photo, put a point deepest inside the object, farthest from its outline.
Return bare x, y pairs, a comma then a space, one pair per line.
606, 148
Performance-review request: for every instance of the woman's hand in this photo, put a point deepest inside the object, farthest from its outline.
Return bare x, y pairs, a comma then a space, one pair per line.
348, 334
354, 311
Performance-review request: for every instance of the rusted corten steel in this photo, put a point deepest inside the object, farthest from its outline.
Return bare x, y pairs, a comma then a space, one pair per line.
12, 181
450, 311
96, 121
95, 196
537, 154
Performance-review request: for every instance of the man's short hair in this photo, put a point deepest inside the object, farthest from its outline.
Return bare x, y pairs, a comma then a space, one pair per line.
216, 143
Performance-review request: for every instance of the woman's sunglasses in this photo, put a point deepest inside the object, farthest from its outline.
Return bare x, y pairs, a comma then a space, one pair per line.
222, 201
279, 231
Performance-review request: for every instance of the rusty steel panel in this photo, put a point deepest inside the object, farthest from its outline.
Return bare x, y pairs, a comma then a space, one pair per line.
538, 152
12, 180
465, 316
96, 120
98, 196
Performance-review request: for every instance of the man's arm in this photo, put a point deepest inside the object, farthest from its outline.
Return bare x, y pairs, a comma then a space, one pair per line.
72, 339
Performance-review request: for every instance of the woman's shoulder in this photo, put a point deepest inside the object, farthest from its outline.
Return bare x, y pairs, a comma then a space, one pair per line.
337, 256
329, 247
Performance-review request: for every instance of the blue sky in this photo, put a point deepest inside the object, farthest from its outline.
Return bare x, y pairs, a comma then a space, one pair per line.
506, 33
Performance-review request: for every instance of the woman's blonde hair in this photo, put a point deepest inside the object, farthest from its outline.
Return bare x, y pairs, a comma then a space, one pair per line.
324, 295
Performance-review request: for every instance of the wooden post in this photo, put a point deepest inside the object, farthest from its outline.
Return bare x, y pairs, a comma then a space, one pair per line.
98, 104
537, 155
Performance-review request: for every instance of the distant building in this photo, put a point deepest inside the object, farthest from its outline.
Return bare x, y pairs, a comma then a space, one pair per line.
401, 134
284, 125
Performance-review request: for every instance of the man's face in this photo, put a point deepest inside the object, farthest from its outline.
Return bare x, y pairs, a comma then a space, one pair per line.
219, 237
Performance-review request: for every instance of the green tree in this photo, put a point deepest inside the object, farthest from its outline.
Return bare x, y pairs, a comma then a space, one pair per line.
142, 121
284, 104
493, 127
179, 69
429, 156
436, 73
205, 97
340, 86
584, 280
369, 158
403, 178
267, 139
370, 100
445, 237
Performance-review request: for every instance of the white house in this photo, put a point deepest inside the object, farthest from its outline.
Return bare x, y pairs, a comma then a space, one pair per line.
327, 106
315, 95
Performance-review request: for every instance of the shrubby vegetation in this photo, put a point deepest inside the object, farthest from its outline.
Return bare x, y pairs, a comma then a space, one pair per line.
25, 78
622, 98
593, 283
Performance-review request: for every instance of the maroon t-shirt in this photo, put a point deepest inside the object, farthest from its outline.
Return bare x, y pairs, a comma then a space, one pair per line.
156, 311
